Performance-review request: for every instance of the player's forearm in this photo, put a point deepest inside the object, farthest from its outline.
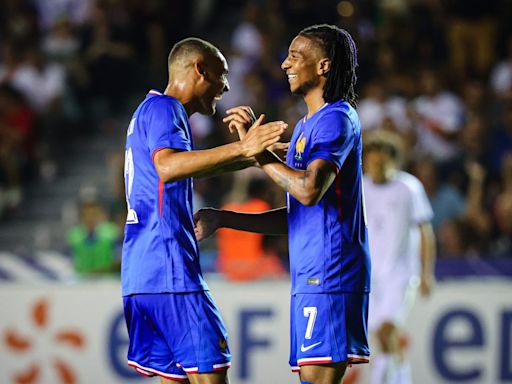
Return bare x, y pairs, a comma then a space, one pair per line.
428, 249
236, 165
272, 222
306, 186
173, 166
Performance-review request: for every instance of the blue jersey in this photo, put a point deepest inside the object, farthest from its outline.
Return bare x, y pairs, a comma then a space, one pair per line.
160, 251
328, 241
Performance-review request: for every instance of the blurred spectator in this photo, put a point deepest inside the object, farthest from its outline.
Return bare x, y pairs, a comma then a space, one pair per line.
475, 97
242, 255
473, 142
502, 211
471, 36
109, 56
447, 202
246, 38
455, 238
245, 52
61, 44
18, 21
50, 11
379, 110
438, 117
78, 63
501, 75
41, 83
93, 242
16, 145
11, 61
501, 140
476, 215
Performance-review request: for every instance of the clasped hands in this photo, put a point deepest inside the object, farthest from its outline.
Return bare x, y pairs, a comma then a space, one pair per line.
255, 137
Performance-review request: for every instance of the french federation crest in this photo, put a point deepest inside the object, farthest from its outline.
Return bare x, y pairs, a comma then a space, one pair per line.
300, 145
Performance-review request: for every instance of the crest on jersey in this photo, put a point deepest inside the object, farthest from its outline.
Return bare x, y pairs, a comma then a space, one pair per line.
223, 344
300, 145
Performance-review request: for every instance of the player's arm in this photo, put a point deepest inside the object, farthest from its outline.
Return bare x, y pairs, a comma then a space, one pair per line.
307, 186
428, 257
273, 222
236, 165
173, 165
331, 145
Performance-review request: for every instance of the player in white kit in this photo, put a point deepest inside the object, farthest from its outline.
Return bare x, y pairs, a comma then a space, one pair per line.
402, 249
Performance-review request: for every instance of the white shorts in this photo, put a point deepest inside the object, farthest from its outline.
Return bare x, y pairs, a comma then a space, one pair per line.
391, 300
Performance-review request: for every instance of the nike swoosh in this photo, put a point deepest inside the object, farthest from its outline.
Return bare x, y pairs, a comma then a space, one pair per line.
304, 349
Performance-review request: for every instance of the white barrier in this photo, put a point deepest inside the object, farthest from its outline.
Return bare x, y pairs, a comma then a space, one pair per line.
51, 331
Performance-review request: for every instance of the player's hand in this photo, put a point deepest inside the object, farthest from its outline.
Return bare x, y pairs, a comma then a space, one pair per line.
240, 119
426, 283
206, 222
260, 137
280, 149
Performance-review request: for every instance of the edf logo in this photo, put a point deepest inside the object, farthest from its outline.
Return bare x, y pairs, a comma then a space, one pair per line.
248, 342
460, 330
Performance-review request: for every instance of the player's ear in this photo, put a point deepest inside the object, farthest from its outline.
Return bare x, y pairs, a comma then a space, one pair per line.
200, 69
324, 66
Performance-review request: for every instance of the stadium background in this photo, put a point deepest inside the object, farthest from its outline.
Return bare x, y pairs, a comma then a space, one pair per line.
71, 73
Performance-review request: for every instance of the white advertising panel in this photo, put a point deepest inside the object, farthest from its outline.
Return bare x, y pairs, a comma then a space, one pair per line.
75, 333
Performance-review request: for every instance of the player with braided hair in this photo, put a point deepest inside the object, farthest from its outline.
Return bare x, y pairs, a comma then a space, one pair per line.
338, 44
324, 216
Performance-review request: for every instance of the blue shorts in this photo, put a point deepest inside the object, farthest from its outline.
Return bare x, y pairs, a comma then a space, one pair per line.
175, 334
328, 328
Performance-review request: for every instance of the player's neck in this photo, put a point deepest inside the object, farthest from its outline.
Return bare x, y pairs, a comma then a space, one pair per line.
382, 177
181, 92
314, 100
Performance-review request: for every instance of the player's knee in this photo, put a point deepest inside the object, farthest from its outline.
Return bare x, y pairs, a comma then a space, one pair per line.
388, 336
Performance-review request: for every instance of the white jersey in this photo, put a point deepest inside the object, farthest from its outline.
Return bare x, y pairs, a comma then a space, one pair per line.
395, 210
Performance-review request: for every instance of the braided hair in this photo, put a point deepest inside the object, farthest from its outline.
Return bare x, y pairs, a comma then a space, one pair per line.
340, 48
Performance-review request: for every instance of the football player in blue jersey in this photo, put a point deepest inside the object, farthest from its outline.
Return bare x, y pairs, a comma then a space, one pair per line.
324, 216
174, 327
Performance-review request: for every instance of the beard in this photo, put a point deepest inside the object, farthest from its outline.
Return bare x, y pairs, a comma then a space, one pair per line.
303, 88
208, 108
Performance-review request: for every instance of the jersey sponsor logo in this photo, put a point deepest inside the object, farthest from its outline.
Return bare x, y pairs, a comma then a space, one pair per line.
300, 146
305, 349
223, 344
313, 281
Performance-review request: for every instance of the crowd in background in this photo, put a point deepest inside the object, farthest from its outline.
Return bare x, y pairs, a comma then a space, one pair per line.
439, 73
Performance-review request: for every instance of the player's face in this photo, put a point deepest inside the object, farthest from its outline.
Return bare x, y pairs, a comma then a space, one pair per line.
302, 65
376, 163
214, 85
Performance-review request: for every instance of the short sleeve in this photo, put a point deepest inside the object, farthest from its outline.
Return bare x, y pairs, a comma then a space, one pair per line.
421, 208
166, 127
333, 138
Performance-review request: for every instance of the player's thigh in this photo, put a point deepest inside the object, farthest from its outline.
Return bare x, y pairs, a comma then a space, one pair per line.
201, 378
219, 377
323, 374
168, 381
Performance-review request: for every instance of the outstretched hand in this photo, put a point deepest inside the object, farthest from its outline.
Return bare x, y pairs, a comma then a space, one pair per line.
240, 119
260, 137
206, 222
